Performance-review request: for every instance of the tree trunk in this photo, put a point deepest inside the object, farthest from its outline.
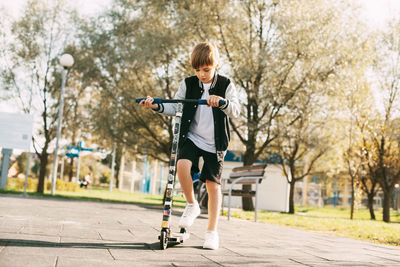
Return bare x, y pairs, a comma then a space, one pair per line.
116, 177
386, 205
71, 170
42, 172
352, 199
291, 196
248, 159
371, 205
118, 157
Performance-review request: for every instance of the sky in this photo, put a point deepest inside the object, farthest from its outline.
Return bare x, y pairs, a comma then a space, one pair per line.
377, 12
88, 7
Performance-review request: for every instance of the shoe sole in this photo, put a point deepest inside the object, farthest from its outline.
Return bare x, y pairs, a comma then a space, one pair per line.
210, 248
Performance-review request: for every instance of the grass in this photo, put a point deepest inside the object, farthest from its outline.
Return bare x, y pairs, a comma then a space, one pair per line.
335, 221
327, 220
104, 195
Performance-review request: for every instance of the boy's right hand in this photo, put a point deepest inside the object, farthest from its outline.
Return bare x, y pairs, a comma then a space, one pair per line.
148, 103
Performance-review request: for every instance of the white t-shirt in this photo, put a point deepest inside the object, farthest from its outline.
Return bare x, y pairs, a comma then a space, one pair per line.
201, 130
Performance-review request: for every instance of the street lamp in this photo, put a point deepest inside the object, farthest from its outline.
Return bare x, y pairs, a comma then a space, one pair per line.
66, 61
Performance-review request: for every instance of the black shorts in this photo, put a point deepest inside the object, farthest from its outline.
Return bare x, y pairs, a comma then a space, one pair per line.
212, 167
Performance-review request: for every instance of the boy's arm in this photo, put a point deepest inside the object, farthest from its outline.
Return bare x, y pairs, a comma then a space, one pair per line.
170, 108
232, 106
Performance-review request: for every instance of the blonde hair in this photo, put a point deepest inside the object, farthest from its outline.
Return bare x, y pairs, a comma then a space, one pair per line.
205, 54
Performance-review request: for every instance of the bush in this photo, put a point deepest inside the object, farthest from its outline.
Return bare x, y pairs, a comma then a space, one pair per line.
105, 177
63, 186
18, 185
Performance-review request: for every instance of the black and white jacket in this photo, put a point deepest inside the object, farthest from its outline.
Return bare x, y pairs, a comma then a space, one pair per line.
192, 88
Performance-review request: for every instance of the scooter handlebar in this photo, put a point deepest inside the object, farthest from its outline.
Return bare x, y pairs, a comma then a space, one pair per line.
198, 101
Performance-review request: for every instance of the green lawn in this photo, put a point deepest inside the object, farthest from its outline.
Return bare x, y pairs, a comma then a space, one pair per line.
335, 221
327, 220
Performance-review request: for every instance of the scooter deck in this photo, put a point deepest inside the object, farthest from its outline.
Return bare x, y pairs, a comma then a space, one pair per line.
179, 237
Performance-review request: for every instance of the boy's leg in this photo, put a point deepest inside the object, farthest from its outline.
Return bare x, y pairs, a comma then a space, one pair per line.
187, 156
211, 173
214, 204
185, 179
211, 239
192, 209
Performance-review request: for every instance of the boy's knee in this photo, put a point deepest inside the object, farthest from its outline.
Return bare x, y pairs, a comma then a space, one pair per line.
184, 164
211, 185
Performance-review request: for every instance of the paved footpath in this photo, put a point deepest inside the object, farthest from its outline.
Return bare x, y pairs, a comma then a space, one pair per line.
48, 232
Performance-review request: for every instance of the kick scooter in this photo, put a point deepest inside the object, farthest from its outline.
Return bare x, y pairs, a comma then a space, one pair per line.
166, 236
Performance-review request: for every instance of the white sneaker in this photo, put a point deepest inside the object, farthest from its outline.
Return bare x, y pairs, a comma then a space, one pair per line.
211, 240
189, 215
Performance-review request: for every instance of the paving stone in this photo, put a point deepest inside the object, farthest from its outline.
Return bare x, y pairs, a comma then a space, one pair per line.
27, 260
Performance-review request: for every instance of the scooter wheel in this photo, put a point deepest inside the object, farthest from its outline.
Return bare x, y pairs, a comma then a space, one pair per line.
163, 240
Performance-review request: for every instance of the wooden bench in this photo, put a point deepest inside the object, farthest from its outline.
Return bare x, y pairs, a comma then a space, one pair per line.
246, 175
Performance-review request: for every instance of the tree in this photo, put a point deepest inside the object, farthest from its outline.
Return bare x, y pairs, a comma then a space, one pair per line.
383, 164
368, 175
275, 49
384, 140
38, 39
358, 106
21, 162
77, 113
121, 45
300, 141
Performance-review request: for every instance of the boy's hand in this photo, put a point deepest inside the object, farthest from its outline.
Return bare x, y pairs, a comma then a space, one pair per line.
213, 100
148, 103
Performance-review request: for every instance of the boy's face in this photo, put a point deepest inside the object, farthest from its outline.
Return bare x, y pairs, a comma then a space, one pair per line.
205, 73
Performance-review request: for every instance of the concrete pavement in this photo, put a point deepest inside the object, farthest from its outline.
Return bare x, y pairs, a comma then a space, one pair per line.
49, 232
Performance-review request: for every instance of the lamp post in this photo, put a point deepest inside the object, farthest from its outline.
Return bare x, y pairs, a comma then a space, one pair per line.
66, 61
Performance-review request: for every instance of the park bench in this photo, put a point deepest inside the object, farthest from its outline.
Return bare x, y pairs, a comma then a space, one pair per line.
246, 175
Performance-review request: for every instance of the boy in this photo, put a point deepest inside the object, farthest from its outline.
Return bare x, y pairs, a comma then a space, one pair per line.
204, 133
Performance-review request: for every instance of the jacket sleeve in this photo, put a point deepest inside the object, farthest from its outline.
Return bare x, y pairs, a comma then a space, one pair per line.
232, 106
170, 108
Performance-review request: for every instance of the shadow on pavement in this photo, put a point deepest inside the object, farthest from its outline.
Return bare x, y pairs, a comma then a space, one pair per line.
38, 243
156, 246
61, 198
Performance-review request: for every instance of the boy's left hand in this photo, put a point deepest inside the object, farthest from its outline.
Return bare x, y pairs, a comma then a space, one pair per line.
213, 100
